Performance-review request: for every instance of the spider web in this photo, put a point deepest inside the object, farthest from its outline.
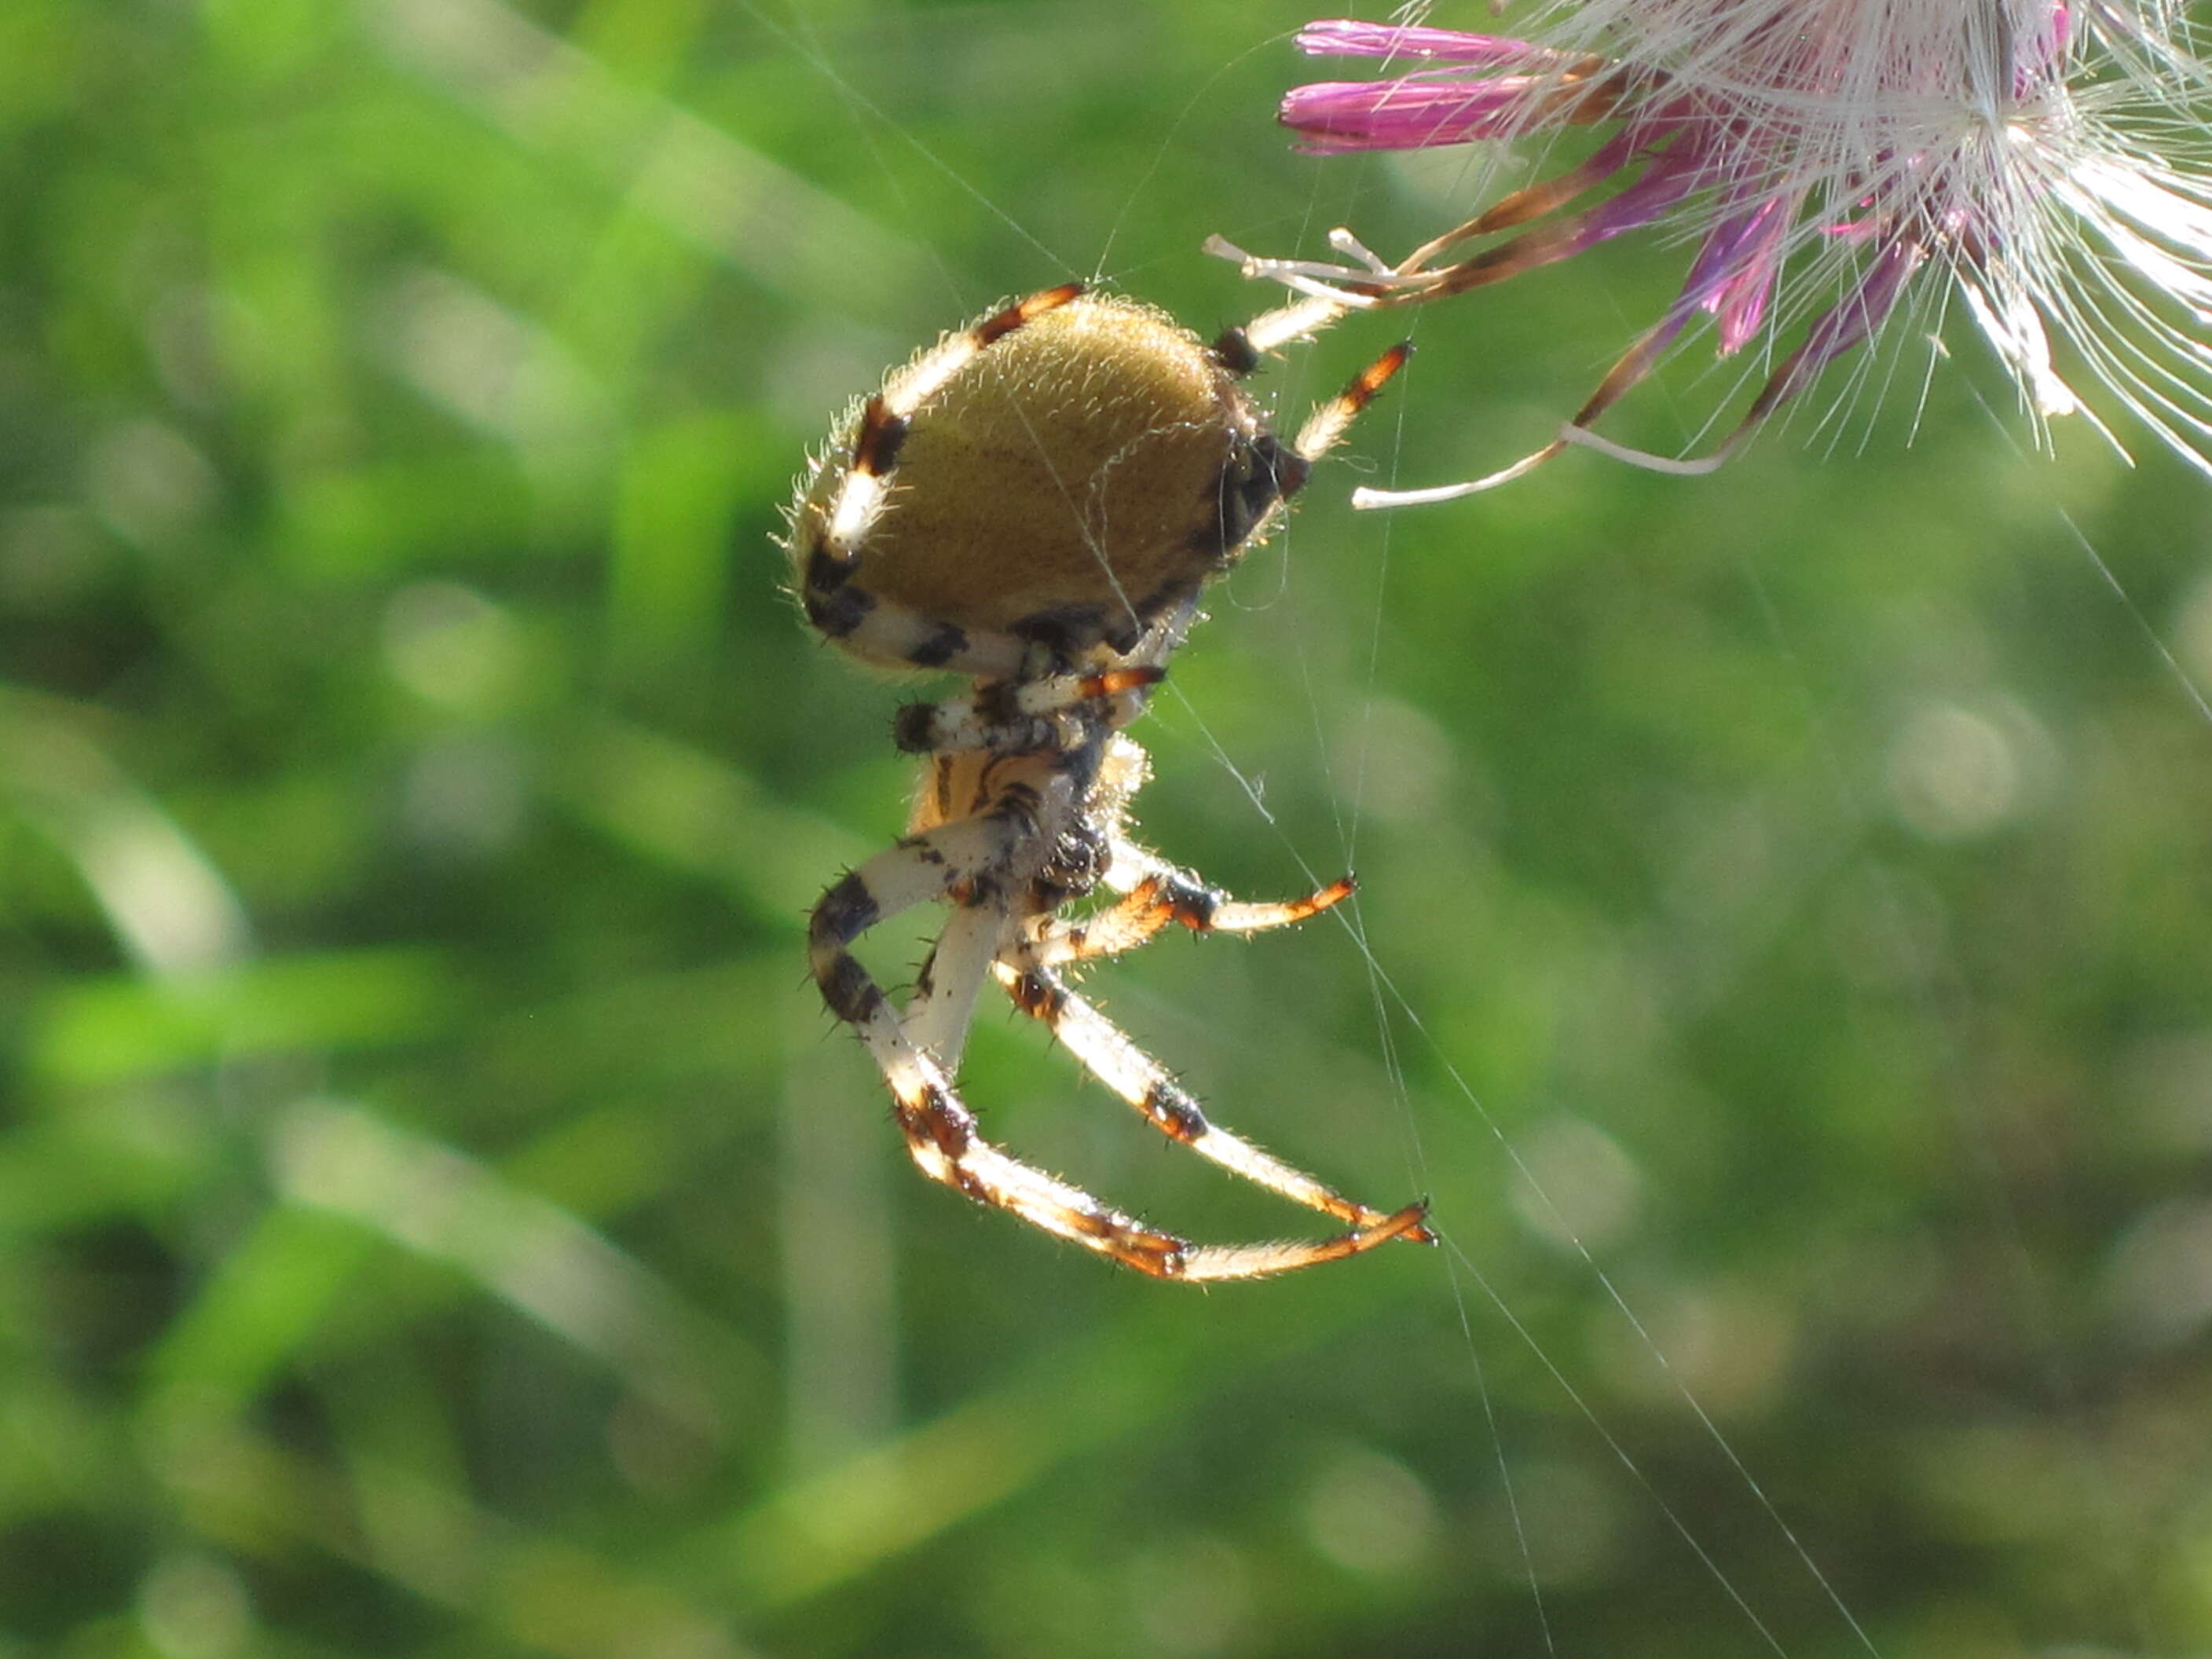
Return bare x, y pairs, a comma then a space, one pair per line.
1971, 761
438, 1204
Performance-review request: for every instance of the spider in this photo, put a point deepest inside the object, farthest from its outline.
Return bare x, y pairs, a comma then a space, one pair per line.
1035, 502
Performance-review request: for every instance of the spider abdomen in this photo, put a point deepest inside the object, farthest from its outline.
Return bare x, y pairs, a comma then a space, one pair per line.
1089, 469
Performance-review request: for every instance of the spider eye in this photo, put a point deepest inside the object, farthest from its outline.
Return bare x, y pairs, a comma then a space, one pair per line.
1265, 471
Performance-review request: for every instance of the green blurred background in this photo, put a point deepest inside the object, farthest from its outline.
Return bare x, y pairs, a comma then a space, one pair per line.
436, 1217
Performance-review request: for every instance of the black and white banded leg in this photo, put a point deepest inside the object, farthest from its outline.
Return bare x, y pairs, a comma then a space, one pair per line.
1154, 894
880, 629
938, 1015
941, 1133
1108, 1054
1020, 717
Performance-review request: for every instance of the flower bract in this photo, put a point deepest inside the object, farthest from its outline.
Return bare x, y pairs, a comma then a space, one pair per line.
1830, 165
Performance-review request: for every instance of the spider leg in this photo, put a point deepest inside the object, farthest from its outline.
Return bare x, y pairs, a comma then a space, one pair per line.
941, 1133
1325, 426
946, 1145
1021, 717
881, 630
831, 528
938, 1015
884, 417
1214, 1263
1109, 1056
947, 857
1166, 893
1239, 350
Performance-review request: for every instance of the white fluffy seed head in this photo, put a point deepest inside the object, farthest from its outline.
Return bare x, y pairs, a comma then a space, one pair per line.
2053, 156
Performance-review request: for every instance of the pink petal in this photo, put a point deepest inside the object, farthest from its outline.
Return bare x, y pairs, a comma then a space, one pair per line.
1856, 316
1745, 282
1345, 38
1406, 114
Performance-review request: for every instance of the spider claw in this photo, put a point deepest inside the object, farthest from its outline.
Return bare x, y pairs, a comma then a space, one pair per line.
1419, 1232
1409, 1223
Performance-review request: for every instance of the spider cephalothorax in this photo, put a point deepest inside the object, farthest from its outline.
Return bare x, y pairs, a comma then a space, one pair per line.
1035, 502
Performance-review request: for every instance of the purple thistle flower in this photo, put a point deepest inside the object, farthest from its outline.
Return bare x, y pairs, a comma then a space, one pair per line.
1820, 155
